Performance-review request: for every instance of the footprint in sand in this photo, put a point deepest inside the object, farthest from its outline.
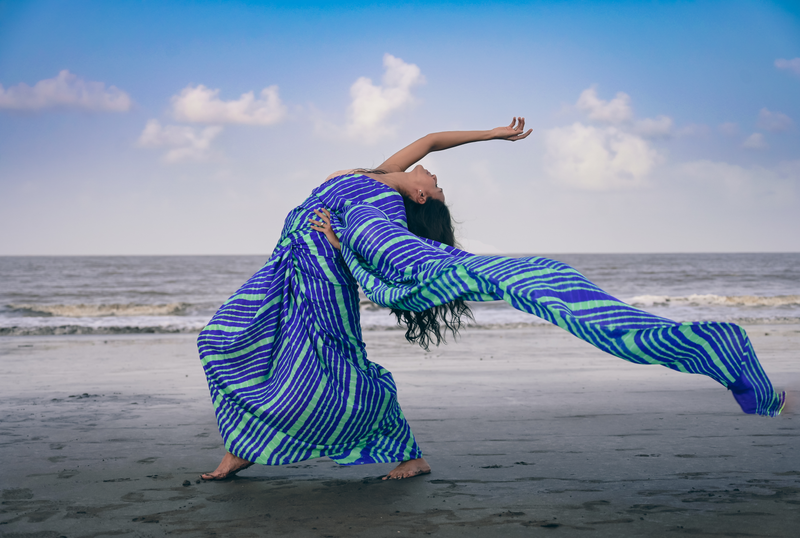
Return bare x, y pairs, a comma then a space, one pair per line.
147, 460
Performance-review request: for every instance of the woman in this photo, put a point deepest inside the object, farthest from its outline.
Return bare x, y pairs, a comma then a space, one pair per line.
285, 360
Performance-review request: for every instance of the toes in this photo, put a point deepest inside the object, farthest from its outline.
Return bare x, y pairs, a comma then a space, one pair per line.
405, 471
212, 476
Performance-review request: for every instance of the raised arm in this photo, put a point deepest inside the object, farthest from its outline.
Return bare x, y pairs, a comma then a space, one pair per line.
414, 152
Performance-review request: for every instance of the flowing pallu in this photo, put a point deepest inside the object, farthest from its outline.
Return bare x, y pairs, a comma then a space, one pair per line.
285, 359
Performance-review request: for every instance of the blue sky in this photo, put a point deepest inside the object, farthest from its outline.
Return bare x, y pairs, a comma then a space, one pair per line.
658, 126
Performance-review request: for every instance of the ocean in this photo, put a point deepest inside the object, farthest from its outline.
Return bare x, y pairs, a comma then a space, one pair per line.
43, 295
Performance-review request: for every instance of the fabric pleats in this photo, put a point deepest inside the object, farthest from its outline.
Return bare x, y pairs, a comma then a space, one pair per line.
286, 363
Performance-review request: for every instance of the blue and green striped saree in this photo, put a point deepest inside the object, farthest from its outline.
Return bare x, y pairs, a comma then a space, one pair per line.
285, 359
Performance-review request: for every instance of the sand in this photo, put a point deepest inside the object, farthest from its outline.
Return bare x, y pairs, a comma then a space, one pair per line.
529, 432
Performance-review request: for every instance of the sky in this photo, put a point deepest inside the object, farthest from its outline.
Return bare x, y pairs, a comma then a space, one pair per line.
151, 128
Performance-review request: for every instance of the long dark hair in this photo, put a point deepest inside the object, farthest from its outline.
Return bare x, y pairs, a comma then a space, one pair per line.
430, 220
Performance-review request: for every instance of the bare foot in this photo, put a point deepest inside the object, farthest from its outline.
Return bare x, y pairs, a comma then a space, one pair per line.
229, 466
409, 468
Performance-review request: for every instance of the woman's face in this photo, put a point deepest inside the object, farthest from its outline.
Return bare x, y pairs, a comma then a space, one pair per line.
424, 185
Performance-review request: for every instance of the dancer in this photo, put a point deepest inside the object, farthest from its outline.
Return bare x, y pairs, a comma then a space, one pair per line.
285, 359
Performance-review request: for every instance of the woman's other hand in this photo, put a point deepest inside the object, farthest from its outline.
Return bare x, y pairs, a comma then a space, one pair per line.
515, 131
325, 226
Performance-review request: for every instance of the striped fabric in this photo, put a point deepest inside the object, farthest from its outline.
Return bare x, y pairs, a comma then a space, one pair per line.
286, 363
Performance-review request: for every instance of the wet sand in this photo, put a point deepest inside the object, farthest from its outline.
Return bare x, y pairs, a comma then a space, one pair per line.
529, 432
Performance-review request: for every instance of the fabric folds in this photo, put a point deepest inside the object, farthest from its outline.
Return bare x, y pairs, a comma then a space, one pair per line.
286, 363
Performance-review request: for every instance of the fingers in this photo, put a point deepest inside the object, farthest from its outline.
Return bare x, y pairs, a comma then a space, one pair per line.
524, 135
518, 125
325, 216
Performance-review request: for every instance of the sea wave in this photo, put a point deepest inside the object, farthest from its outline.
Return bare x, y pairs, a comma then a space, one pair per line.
49, 325
59, 330
86, 329
105, 310
100, 310
716, 300
180, 317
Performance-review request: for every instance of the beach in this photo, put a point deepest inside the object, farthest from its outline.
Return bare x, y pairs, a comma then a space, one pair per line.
528, 430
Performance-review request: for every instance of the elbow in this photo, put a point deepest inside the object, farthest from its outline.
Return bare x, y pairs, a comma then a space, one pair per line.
433, 142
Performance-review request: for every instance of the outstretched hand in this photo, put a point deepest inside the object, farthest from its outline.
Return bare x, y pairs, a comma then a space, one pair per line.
515, 131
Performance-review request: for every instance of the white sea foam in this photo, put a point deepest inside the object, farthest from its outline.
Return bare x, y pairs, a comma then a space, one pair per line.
101, 325
109, 295
100, 310
715, 300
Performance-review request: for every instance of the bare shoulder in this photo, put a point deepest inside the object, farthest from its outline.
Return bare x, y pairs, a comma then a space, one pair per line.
340, 173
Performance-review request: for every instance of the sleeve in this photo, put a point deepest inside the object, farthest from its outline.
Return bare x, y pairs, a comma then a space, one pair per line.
396, 268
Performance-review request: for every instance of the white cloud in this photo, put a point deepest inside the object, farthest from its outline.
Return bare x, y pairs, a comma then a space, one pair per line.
755, 141
65, 90
371, 105
618, 110
659, 127
203, 105
776, 184
614, 156
729, 128
774, 121
595, 158
186, 143
789, 65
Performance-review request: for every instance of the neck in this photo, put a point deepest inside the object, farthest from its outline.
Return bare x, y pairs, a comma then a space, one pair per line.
395, 180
